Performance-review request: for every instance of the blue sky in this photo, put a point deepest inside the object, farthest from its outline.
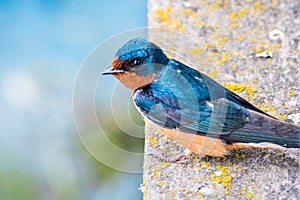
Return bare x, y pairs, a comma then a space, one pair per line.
43, 44
43, 31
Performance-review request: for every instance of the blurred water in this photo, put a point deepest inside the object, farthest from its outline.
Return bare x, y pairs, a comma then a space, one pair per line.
42, 46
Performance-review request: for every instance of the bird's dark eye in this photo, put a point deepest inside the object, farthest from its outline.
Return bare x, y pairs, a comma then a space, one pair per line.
136, 62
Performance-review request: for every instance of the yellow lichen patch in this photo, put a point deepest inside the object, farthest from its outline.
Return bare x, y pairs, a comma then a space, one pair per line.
164, 16
291, 93
253, 39
242, 12
206, 164
225, 57
249, 195
224, 170
271, 46
265, 107
199, 23
215, 35
226, 179
265, 8
233, 26
156, 174
239, 168
249, 96
215, 178
263, 67
235, 87
214, 74
160, 183
145, 190
169, 9
174, 191
217, 4
218, 45
196, 51
263, 42
250, 90
227, 192
250, 68
213, 54
207, 45
241, 37
171, 56
177, 23
233, 16
237, 155
271, 109
216, 26
228, 185
166, 164
223, 39
153, 141
274, 3
280, 153
234, 67
195, 15
222, 178
200, 193
259, 49
284, 117
208, 25
257, 4
240, 88
239, 54
187, 12
181, 29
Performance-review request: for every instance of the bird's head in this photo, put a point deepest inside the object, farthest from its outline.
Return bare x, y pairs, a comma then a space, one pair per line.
137, 63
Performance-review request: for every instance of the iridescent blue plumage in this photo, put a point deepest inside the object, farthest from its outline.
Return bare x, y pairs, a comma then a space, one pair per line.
177, 97
140, 48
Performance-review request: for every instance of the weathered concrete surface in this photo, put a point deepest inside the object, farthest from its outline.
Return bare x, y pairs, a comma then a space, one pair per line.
226, 37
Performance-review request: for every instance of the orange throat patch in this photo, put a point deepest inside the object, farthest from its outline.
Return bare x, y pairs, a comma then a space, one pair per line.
133, 81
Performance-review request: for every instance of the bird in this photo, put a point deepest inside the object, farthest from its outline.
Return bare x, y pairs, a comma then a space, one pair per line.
193, 109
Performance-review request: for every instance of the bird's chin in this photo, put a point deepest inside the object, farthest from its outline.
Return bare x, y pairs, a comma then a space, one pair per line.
133, 81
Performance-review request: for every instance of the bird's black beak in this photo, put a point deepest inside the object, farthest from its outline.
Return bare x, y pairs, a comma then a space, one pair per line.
112, 71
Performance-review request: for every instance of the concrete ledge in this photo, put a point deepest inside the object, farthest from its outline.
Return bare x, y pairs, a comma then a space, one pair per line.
233, 37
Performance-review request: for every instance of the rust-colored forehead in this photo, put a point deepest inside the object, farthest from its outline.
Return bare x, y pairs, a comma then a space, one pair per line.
117, 63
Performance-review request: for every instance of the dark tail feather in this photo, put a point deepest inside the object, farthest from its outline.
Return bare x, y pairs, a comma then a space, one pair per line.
262, 128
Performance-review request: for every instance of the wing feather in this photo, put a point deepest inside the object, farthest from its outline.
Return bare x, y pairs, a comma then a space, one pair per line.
217, 117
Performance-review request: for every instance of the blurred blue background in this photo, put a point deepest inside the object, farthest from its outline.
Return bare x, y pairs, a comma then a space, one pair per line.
43, 44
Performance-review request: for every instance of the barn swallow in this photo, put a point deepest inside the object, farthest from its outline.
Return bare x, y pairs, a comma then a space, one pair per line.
193, 109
